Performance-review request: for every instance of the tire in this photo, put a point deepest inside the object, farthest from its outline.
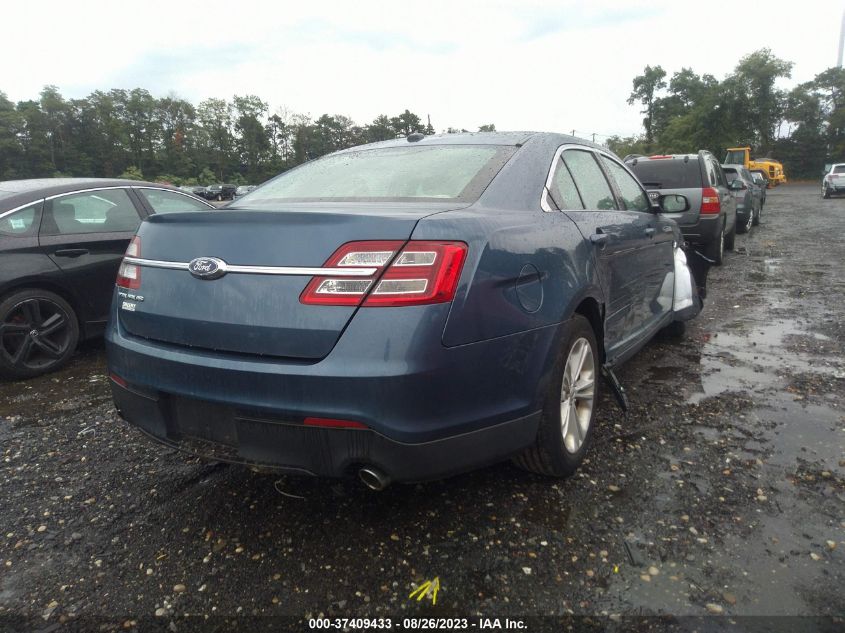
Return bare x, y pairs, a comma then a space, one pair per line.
38, 333
756, 218
563, 439
676, 329
716, 250
826, 193
219, 197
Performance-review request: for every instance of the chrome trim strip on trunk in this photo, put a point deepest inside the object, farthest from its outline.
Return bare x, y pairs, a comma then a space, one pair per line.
261, 270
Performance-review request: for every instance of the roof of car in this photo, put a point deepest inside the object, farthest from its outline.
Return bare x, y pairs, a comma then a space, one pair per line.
15, 192
66, 184
633, 160
474, 138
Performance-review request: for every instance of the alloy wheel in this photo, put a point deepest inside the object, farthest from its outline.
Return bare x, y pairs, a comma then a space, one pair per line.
35, 334
577, 394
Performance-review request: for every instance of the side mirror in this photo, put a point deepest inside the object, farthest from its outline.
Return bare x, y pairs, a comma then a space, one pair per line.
673, 203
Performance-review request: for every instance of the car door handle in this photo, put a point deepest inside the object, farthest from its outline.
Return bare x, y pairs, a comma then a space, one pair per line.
71, 252
599, 238
650, 231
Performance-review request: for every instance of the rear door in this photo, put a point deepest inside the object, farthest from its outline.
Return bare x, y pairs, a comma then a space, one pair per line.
86, 234
615, 236
655, 257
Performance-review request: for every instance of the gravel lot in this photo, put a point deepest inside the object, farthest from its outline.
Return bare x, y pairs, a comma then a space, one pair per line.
721, 492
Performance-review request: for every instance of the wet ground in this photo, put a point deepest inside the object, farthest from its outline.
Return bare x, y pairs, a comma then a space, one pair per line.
721, 492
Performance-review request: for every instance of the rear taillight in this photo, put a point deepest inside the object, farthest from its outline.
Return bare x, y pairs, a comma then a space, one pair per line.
422, 272
710, 202
129, 275
333, 423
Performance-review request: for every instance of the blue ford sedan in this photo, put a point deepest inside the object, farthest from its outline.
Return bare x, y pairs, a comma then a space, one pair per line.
401, 311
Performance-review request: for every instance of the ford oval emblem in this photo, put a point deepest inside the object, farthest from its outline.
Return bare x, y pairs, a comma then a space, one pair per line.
207, 268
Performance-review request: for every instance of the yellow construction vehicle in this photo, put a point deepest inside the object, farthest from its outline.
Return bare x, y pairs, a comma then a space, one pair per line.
742, 156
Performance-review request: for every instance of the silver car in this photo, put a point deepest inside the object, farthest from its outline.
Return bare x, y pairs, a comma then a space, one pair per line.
748, 197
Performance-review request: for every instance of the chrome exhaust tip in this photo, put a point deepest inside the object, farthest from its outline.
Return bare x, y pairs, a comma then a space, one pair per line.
373, 479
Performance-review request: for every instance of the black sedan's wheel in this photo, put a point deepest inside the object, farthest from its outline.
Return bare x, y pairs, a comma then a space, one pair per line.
570, 406
38, 333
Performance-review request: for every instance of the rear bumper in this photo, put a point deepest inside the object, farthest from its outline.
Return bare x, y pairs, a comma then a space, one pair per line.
704, 231
228, 434
742, 213
430, 411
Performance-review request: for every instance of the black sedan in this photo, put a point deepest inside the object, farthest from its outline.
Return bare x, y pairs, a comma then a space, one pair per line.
61, 242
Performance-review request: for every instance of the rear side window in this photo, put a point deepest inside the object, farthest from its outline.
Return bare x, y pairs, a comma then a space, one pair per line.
170, 202
423, 172
632, 194
101, 211
590, 180
21, 222
563, 190
668, 173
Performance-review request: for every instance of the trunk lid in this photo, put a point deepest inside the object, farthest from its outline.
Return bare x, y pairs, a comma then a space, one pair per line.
249, 313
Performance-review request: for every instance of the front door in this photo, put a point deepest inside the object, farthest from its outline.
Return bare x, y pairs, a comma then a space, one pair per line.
86, 235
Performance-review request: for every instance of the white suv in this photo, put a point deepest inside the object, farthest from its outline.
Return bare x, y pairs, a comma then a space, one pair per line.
834, 180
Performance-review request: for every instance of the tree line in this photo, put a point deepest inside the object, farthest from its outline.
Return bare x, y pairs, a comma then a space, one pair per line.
131, 133
804, 127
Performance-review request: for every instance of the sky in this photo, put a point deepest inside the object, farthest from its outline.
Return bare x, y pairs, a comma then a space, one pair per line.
520, 64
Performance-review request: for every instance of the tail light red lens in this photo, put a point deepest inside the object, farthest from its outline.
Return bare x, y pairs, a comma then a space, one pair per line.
332, 423
710, 202
420, 273
129, 275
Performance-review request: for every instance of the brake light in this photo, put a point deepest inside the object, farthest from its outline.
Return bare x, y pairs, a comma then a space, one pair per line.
710, 202
129, 275
422, 272
332, 423
661, 156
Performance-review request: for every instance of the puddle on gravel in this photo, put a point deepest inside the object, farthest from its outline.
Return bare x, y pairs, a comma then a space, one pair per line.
750, 358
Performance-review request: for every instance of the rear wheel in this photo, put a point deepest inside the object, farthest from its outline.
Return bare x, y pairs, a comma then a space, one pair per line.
566, 426
715, 250
825, 193
38, 333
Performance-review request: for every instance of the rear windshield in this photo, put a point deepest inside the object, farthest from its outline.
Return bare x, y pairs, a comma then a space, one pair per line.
668, 173
839, 169
731, 174
417, 173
